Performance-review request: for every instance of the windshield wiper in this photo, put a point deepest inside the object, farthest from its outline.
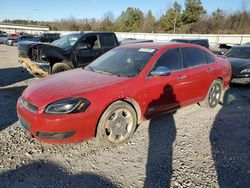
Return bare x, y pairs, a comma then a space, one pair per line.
104, 72
91, 68
124, 75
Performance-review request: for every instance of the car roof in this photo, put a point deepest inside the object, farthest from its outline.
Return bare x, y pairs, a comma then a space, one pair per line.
26, 36
189, 40
159, 45
88, 32
51, 33
242, 46
95, 32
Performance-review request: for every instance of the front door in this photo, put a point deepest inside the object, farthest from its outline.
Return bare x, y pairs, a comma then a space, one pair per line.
165, 93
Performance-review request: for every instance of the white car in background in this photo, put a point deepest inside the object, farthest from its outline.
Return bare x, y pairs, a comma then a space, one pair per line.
3, 38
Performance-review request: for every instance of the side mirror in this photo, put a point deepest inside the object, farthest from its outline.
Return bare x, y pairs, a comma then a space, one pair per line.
84, 46
161, 71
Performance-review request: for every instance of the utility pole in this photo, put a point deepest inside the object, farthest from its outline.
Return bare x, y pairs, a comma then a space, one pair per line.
175, 18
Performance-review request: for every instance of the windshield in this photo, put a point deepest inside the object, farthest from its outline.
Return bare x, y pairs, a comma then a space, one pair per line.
239, 52
127, 62
67, 41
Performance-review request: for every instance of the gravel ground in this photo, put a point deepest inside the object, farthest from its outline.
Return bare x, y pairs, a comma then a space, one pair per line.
195, 147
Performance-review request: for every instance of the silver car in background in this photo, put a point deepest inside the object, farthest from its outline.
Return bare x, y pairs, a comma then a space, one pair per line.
3, 38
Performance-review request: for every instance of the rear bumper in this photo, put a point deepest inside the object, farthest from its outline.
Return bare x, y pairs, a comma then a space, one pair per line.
36, 69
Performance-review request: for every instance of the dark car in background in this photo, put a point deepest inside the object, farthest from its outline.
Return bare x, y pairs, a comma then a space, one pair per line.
71, 51
133, 40
49, 37
24, 38
201, 42
239, 57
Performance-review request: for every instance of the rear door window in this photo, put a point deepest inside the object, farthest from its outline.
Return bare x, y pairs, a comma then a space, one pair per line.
193, 57
108, 40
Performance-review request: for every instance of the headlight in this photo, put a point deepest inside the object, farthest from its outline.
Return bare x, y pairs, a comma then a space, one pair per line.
67, 106
246, 70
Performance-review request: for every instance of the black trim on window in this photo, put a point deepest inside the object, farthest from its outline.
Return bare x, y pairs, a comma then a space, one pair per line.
207, 55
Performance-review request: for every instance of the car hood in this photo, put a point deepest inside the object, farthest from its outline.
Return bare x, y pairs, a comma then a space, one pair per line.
29, 44
47, 50
26, 42
74, 83
239, 63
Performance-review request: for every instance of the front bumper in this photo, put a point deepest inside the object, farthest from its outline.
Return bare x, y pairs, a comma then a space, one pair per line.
241, 79
59, 129
36, 69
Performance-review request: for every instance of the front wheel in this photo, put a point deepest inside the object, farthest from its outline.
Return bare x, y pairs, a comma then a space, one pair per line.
60, 67
117, 124
213, 96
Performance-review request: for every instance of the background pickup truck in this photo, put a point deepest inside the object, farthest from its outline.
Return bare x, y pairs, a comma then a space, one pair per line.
71, 51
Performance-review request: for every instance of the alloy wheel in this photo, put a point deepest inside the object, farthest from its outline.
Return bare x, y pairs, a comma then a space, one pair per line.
214, 95
119, 125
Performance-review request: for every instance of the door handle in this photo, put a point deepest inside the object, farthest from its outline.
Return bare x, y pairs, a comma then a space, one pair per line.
182, 77
210, 70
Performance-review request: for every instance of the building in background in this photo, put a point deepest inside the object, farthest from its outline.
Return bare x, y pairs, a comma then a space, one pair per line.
18, 28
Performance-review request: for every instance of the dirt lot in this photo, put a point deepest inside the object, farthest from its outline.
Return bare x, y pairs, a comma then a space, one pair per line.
194, 147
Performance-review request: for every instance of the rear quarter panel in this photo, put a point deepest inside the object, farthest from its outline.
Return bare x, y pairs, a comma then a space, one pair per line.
223, 70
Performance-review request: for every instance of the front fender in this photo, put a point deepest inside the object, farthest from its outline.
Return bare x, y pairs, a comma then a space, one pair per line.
50, 53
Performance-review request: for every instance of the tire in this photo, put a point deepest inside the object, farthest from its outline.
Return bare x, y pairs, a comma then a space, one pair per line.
117, 124
213, 96
60, 67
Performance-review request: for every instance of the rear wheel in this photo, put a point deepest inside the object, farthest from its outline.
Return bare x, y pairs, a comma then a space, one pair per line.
213, 96
60, 67
117, 124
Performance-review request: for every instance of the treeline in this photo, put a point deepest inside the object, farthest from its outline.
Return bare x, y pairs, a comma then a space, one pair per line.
193, 18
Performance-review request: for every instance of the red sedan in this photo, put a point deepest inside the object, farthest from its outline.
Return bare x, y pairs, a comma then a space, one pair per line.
117, 91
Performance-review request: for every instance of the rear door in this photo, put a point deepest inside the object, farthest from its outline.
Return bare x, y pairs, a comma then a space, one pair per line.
108, 41
198, 74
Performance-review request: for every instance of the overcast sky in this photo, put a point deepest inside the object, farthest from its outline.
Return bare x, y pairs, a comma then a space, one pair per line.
49, 10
